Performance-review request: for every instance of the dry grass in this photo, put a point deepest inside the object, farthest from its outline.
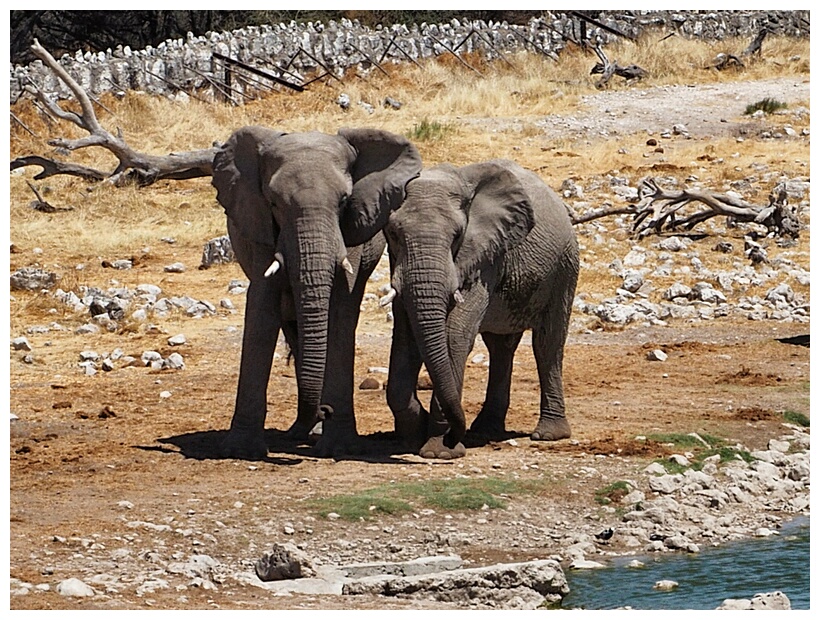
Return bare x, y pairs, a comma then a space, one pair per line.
111, 223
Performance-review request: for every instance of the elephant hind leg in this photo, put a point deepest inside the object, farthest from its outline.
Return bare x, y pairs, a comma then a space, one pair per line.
490, 421
548, 347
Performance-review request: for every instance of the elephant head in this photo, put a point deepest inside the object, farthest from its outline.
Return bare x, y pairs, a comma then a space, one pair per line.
304, 198
453, 225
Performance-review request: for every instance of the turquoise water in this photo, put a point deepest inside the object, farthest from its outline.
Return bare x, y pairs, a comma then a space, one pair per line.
734, 570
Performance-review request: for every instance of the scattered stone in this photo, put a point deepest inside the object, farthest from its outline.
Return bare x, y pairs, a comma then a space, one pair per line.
656, 355
283, 561
768, 600
174, 361
177, 340
389, 102
74, 587
370, 383
665, 584
21, 344
174, 268
217, 251
672, 244
32, 279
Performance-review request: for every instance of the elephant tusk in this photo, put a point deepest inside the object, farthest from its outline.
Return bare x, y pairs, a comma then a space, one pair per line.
388, 298
458, 297
274, 267
347, 266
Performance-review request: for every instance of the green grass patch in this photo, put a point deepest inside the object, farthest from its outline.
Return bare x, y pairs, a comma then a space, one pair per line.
430, 130
612, 493
699, 450
793, 417
458, 494
683, 440
768, 105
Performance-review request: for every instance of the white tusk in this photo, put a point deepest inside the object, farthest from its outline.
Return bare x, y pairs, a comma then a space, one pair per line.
347, 266
458, 297
388, 298
274, 267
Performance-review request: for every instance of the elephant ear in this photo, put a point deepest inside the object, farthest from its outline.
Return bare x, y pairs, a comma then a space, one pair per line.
499, 217
238, 182
384, 163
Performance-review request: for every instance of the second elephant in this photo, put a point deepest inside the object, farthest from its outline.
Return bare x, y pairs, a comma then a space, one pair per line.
486, 248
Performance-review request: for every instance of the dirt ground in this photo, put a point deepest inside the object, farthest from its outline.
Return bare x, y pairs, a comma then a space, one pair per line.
90, 456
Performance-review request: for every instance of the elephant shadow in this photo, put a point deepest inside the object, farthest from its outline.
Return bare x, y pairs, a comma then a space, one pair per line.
379, 447
476, 440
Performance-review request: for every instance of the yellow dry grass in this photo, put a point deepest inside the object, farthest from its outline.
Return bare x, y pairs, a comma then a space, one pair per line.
109, 223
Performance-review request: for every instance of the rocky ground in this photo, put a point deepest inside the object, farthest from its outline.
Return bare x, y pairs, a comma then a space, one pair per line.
121, 391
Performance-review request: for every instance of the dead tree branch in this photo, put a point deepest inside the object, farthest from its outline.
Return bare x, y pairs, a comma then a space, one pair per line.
42, 205
133, 165
662, 210
607, 69
659, 210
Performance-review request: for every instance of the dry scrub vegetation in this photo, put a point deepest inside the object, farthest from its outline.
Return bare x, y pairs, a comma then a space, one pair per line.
469, 111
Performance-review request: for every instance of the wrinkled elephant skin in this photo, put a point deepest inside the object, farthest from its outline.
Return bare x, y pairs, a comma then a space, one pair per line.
487, 248
305, 213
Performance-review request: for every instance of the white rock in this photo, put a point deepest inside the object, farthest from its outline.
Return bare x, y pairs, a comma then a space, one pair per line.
177, 340
74, 587
21, 344
656, 356
165, 394
665, 584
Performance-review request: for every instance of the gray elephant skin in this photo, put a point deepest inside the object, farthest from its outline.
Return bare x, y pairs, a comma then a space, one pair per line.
304, 214
486, 248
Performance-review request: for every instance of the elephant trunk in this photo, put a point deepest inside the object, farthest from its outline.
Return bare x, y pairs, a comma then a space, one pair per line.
427, 304
312, 283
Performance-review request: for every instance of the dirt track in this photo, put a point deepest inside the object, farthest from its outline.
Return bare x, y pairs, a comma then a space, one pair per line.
89, 455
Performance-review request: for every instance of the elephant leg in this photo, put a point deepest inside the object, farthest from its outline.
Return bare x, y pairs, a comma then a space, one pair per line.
339, 434
548, 347
436, 446
410, 417
490, 420
246, 436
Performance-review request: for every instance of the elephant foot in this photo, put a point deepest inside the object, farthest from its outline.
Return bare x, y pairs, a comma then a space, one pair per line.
338, 436
551, 429
245, 445
300, 431
487, 426
435, 448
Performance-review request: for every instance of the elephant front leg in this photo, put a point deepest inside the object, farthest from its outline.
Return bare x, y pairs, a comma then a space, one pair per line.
410, 417
490, 422
246, 438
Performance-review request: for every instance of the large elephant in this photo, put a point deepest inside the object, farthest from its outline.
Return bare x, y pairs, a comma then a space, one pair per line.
486, 248
305, 213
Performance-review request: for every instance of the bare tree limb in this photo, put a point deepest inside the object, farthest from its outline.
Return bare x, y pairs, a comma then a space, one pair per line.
133, 165
42, 205
51, 168
608, 69
659, 210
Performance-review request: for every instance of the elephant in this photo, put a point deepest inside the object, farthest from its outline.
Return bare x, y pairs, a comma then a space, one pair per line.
485, 248
305, 213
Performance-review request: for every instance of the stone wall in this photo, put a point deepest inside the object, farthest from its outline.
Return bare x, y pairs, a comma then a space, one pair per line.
295, 52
